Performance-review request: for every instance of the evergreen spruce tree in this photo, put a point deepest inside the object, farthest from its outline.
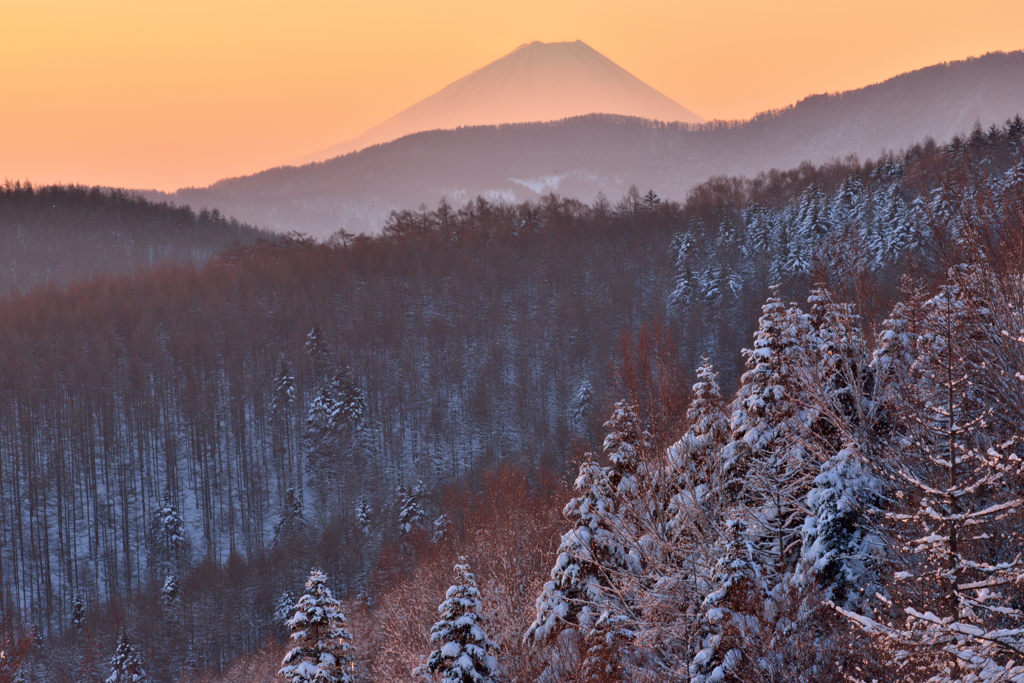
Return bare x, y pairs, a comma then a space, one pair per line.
284, 606
581, 406
957, 617
694, 460
126, 665
766, 402
284, 391
323, 651
169, 532
765, 465
440, 529
839, 388
78, 611
837, 548
626, 444
349, 401
281, 405
169, 596
731, 612
464, 652
594, 562
410, 512
364, 516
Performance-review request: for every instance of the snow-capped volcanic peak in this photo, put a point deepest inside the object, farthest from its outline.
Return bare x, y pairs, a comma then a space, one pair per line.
535, 82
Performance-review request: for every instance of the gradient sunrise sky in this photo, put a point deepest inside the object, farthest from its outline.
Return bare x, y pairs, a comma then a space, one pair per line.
168, 94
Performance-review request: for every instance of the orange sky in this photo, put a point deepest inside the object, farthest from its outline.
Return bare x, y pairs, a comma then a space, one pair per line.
166, 93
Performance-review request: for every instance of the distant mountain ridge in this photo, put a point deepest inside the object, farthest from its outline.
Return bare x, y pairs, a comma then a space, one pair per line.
59, 235
581, 156
535, 82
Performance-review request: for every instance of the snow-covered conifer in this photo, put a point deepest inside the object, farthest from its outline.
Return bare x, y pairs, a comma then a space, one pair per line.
169, 531
78, 611
364, 516
323, 651
958, 515
440, 528
464, 653
731, 612
410, 512
765, 465
591, 556
626, 443
126, 665
694, 458
837, 549
284, 391
169, 595
581, 405
284, 605
766, 400
842, 426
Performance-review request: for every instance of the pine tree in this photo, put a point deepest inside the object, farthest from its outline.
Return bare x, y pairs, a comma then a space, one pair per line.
410, 512
78, 611
694, 460
464, 653
323, 651
440, 529
592, 557
284, 606
364, 516
169, 532
731, 612
284, 391
626, 444
169, 596
581, 406
959, 515
126, 665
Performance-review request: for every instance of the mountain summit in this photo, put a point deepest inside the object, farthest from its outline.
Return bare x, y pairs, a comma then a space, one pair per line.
535, 82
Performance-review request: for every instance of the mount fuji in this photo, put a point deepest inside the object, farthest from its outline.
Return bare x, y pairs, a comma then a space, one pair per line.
535, 82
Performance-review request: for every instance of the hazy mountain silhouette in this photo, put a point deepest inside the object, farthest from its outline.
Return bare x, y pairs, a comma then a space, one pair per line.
57, 235
582, 156
535, 82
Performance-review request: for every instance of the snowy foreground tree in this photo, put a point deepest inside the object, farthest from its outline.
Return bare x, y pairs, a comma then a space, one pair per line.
323, 651
596, 563
126, 665
956, 593
464, 652
858, 517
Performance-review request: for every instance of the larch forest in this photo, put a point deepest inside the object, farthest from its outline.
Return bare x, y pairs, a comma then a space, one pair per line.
772, 432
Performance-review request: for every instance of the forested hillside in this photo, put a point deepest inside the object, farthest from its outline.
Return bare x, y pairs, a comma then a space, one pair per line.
59, 235
188, 442
851, 512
